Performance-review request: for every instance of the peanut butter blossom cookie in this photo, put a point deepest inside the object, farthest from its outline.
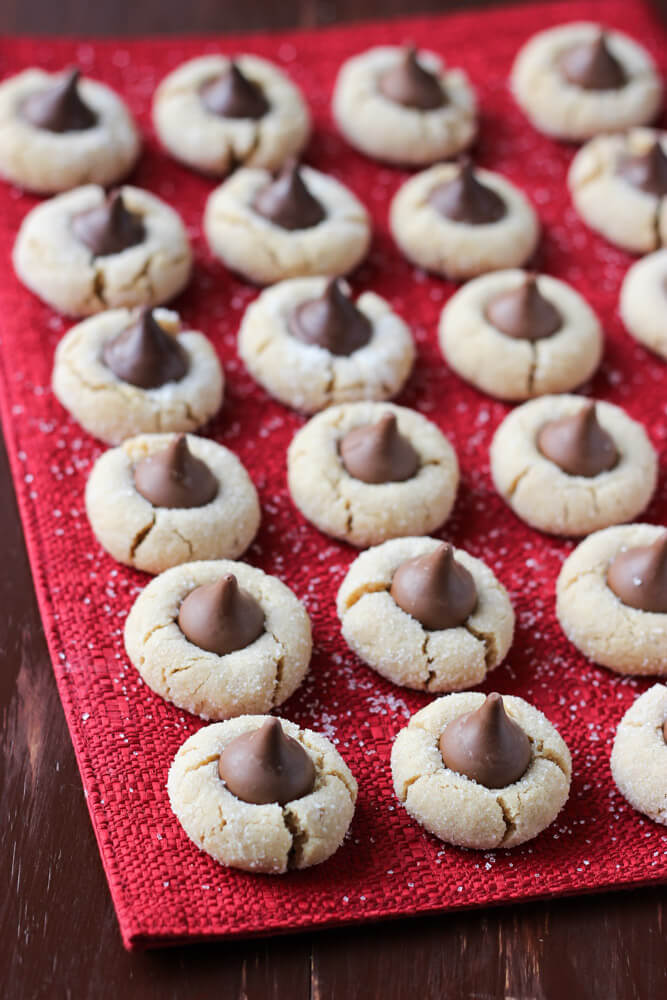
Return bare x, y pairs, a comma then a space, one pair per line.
516, 335
219, 638
310, 345
261, 794
612, 598
59, 131
619, 187
425, 615
404, 106
366, 472
461, 221
570, 466
643, 302
215, 114
121, 373
639, 756
481, 772
86, 251
162, 499
577, 80
300, 222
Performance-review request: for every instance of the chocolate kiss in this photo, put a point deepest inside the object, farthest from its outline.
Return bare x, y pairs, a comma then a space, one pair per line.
59, 108
638, 576
435, 589
486, 745
578, 444
233, 95
145, 355
174, 477
221, 617
524, 313
378, 453
109, 228
287, 202
267, 766
648, 171
332, 321
410, 84
592, 66
465, 199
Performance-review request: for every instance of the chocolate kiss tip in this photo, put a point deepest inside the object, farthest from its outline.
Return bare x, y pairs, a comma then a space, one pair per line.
524, 313
233, 95
410, 84
267, 766
221, 617
486, 745
647, 171
638, 576
287, 202
59, 107
145, 355
109, 228
466, 199
577, 444
378, 453
592, 66
435, 589
331, 321
175, 478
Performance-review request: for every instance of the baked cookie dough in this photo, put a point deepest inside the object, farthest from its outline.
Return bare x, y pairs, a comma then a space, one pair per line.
397, 645
639, 757
404, 107
86, 135
151, 536
367, 513
618, 185
113, 409
461, 810
309, 375
546, 497
554, 341
577, 80
270, 837
643, 302
254, 678
492, 224
626, 639
215, 114
264, 251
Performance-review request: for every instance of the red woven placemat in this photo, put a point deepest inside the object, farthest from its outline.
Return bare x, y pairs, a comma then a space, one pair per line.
165, 890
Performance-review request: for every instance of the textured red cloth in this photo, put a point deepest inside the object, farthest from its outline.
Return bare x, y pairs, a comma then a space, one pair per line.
163, 888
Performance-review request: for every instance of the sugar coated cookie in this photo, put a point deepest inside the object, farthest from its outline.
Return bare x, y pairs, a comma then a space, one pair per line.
577, 80
82, 252
639, 756
569, 466
425, 615
60, 130
261, 794
517, 335
121, 373
215, 114
611, 598
310, 345
643, 302
163, 499
481, 772
403, 106
460, 222
366, 472
219, 638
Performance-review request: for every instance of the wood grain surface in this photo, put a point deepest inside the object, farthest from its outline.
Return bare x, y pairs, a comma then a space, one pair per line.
58, 933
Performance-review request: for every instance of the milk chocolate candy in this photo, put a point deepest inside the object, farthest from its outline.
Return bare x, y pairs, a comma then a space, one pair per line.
411, 85
638, 576
435, 589
592, 66
267, 766
331, 321
233, 95
59, 107
465, 199
174, 477
145, 355
524, 313
220, 617
379, 453
647, 171
578, 444
486, 745
109, 228
287, 202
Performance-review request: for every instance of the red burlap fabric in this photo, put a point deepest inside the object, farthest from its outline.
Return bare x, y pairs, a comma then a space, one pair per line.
164, 890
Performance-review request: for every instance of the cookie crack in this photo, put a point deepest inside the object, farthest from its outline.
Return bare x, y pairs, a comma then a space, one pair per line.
141, 536
362, 590
202, 762
550, 755
508, 819
186, 541
299, 837
151, 631
429, 660
514, 485
488, 640
407, 785
532, 370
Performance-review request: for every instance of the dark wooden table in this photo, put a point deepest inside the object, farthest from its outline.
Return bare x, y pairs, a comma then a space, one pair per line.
58, 933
